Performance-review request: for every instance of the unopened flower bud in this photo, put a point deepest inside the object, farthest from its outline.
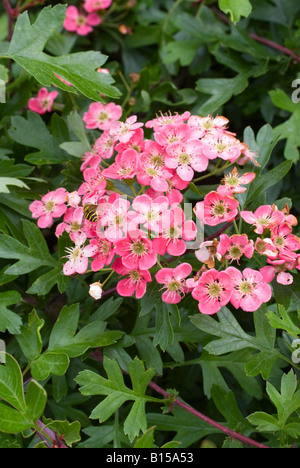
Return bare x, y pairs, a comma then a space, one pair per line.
96, 290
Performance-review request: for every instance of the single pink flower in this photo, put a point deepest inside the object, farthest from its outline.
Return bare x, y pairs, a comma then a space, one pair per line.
94, 5
172, 133
216, 209
149, 212
77, 258
52, 205
221, 144
93, 186
265, 217
266, 247
250, 290
167, 119
233, 181
283, 238
175, 230
135, 282
104, 146
174, 282
208, 123
124, 131
102, 116
90, 159
80, 23
43, 102
113, 218
213, 291
72, 223
101, 250
124, 167
136, 251
136, 142
186, 157
232, 248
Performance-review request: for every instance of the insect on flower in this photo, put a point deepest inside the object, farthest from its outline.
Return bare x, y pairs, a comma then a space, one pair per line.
90, 212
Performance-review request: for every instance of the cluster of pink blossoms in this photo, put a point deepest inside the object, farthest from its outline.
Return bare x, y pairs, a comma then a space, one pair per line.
136, 236
84, 20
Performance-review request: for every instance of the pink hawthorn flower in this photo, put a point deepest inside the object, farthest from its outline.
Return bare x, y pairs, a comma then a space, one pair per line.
135, 143
171, 133
94, 186
174, 282
113, 217
124, 167
72, 223
232, 248
222, 144
77, 257
208, 123
250, 290
102, 116
216, 208
186, 157
124, 131
104, 146
43, 102
52, 205
135, 282
101, 250
80, 23
166, 119
213, 290
283, 238
90, 159
175, 230
265, 217
232, 182
94, 5
136, 251
149, 211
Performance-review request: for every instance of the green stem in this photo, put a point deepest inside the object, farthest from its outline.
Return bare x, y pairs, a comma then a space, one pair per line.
216, 170
106, 280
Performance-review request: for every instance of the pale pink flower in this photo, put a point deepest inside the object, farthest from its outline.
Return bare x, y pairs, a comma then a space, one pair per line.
149, 211
104, 146
94, 186
175, 230
94, 5
73, 199
216, 209
213, 290
136, 251
124, 131
221, 144
135, 282
247, 156
43, 102
186, 157
233, 181
52, 205
77, 258
265, 217
170, 133
113, 217
80, 23
250, 290
166, 119
208, 252
208, 123
232, 248
102, 116
90, 159
124, 167
174, 282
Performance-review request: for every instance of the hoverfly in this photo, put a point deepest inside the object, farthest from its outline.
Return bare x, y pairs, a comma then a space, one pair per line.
90, 212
